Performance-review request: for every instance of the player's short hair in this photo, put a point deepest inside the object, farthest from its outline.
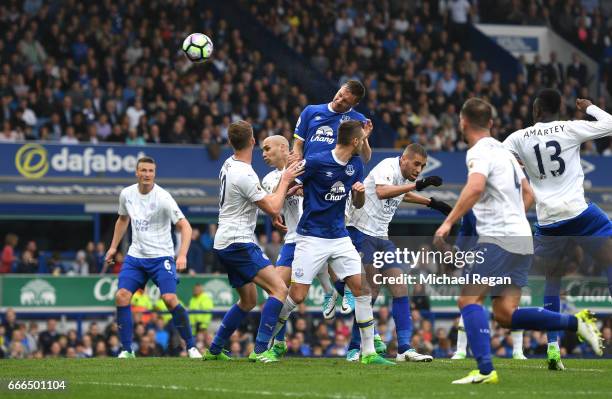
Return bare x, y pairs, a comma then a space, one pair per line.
240, 133
549, 101
478, 112
144, 160
356, 88
415, 149
348, 130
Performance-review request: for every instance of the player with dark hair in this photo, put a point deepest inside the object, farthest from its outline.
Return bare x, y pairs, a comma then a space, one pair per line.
497, 191
550, 153
322, 237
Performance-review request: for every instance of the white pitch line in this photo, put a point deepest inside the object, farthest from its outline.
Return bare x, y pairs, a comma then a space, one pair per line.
222, 390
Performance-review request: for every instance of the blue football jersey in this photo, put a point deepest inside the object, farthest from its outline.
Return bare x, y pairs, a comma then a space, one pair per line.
327, 185
318, 127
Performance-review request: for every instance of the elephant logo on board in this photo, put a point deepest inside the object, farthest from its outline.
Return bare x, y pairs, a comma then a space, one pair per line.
38, 292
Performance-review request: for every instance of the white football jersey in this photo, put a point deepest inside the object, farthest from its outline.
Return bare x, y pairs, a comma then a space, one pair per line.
550, 153
292, 208
239, 191
150, 215
374, 217
500, 211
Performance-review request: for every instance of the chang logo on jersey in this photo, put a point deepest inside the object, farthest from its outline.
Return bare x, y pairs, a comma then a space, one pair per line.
324, 134
33, 161
336, 193
141, 224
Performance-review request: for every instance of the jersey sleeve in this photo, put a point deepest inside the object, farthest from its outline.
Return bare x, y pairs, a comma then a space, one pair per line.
582, 131
173, 209
301, 127
510, 144
310, 168
249, 187
478, 162
122, 208
382, 176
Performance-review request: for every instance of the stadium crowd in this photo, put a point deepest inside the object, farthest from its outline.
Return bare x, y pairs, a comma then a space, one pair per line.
584, 23
416, 67
308, 335
27, 259
112, 71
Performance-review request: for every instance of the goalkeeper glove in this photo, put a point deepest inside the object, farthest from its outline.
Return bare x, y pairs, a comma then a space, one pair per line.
428, 181
440, 206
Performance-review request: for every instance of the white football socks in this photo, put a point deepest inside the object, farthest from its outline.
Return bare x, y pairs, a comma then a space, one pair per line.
461, 337
286, 310
325, 280
517, 342
365, 317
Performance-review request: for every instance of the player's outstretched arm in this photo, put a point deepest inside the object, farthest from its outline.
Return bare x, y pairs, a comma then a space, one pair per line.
386, 191
184, 228
432, 202
272, 204
121, 225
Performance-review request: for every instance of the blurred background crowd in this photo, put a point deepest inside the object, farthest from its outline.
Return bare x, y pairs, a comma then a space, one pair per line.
112, 70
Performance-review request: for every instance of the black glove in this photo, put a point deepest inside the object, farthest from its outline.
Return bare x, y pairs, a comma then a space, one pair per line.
440, 206
428, 181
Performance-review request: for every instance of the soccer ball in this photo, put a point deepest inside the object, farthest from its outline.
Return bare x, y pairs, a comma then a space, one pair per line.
198, 47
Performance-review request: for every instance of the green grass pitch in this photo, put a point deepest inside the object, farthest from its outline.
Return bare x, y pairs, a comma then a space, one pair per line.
302, 378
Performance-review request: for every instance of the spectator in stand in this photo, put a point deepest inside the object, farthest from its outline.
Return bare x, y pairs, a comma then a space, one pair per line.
28, 264
8, 253
200, 301
49, 336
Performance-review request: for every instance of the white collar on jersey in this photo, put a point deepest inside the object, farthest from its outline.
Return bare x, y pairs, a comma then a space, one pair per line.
336, 159
329, 107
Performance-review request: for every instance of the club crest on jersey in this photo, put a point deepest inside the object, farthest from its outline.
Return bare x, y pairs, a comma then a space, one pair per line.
336, 193
350, 170
345, 118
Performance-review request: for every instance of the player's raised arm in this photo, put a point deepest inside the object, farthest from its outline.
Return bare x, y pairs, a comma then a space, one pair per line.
591, 130
297, 151
366, 150
299, 136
